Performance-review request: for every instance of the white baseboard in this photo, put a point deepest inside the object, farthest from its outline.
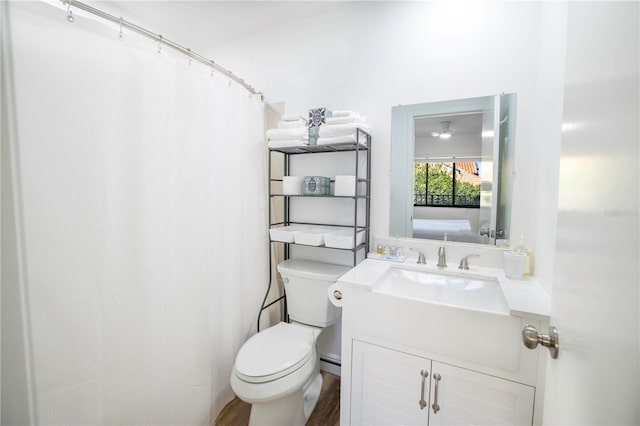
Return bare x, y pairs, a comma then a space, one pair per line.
330, 368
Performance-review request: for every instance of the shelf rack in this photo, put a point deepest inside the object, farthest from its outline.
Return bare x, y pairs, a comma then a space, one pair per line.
362, 147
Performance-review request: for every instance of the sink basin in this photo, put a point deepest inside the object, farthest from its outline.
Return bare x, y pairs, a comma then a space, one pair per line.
451, 289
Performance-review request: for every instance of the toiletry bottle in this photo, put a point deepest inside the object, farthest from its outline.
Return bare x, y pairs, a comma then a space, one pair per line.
520, 248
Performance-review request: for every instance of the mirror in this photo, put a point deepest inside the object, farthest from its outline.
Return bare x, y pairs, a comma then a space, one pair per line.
451, 168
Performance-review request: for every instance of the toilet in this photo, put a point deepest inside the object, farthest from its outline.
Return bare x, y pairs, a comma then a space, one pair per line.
278, 369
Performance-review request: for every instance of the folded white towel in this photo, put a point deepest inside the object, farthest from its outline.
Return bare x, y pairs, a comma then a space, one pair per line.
342, 113
292, 124
350, 138
285, 134
285, 143
292, 117
343, 120
332, 130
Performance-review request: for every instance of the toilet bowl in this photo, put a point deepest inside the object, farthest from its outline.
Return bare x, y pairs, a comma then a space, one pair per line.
275, 371
278, 369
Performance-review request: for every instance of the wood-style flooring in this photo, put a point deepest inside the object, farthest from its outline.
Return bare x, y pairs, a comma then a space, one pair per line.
327, 412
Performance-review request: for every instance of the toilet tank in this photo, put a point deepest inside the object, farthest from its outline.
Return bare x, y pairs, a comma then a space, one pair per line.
306, 284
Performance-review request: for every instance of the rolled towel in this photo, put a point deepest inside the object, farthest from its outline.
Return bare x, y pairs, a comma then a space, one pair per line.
285, 143
292, 124
292, 117
285, 134
344, 120
329, 131
343, 113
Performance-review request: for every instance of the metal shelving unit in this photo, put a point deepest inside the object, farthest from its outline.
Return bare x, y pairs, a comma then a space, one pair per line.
361, 147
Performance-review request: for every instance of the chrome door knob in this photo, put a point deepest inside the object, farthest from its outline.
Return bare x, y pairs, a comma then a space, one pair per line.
531, 338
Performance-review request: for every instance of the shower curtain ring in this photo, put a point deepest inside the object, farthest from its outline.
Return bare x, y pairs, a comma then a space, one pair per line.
70, 17
189, 54
120, 37
159, 43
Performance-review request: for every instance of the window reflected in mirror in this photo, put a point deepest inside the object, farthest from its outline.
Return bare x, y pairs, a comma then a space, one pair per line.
446, 184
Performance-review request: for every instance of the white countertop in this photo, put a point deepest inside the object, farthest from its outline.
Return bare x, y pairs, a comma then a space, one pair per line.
525, 298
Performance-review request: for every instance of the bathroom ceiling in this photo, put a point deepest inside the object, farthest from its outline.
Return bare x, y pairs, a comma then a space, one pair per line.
203, 25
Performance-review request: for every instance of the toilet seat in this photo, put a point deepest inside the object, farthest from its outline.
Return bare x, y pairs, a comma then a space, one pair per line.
274, 353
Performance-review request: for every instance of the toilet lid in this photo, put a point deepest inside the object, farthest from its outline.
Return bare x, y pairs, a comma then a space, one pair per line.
274, 353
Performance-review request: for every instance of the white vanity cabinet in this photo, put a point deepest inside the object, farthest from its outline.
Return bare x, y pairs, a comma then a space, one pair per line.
399, 321
387, 387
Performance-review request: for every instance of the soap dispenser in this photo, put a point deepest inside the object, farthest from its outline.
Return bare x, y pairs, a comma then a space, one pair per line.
520, 248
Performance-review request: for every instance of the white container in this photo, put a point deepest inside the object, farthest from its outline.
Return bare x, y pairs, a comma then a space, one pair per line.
343, 239
292, 185
514, 264
286, 234
345, 186
312, 236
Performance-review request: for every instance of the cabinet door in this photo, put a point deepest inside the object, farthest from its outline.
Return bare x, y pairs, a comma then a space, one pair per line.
468, 397
386, 386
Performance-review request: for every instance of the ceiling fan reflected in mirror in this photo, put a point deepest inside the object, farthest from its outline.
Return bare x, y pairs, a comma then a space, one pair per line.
445, 130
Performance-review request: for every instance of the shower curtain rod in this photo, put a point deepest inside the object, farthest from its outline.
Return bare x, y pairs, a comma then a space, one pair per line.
159, 38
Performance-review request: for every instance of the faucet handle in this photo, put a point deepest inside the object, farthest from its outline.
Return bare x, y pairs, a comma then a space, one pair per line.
464, 262
421, 258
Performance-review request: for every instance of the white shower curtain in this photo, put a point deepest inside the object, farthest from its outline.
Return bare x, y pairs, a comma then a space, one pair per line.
140, 201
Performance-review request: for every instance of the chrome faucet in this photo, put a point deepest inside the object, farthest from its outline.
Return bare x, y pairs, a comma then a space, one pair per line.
464, 262
442, 258
421, 258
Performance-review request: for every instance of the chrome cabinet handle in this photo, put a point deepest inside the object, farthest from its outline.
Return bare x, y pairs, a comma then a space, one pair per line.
435, 405
531, 338
422, 402
486, 232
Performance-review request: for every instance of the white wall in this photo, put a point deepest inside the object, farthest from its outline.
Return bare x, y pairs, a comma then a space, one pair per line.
370, 56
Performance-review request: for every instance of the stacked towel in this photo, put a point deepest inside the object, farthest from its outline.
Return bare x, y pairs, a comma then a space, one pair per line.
288, 143
343, 113
350, 138
345, 117
342, 129
291, 131
286, 134
343, 120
